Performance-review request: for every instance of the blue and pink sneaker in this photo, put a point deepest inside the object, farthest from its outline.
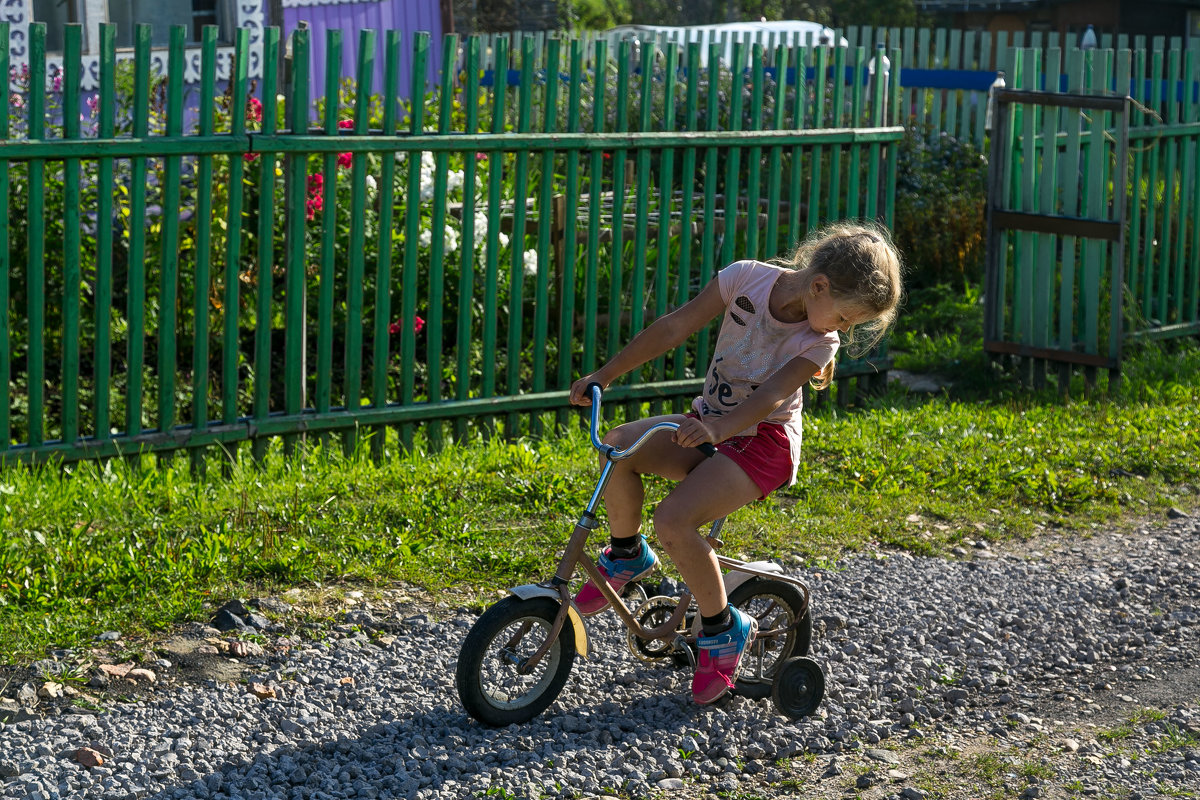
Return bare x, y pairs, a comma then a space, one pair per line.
721, 658
618, 571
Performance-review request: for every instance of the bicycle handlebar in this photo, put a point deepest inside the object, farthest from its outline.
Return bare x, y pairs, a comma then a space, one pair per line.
707, 448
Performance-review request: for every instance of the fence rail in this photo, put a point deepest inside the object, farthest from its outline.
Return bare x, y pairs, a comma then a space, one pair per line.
259, 275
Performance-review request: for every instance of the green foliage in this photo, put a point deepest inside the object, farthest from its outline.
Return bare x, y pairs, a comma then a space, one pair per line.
940, 203
595, 15
940, 327
707, 12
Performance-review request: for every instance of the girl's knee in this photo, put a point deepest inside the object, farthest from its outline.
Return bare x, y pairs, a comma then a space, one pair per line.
673, 523
620, 437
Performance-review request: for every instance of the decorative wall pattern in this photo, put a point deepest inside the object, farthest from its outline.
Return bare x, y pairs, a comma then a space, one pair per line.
250, 15
307, 3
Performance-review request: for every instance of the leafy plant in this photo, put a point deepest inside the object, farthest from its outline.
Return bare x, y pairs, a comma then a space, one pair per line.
940, 203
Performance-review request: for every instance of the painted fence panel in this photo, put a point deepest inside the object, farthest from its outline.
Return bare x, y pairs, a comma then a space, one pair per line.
1094, 212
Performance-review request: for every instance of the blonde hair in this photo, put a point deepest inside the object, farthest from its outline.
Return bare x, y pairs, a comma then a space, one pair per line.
863, 268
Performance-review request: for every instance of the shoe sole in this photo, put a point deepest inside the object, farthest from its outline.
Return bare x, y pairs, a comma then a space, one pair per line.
737, 671
608, 605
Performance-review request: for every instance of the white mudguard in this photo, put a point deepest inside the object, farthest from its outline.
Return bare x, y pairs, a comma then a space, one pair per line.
532, 590
736, 577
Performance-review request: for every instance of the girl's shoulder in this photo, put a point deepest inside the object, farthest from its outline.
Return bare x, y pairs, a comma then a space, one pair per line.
749, 275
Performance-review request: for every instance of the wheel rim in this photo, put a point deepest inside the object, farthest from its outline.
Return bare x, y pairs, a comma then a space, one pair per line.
768, 651
500, 680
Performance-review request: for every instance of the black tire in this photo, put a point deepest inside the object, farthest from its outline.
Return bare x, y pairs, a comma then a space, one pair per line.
798, 688
778, 607
489, 686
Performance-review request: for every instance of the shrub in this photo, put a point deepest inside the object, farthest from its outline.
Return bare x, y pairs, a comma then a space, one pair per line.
940, 202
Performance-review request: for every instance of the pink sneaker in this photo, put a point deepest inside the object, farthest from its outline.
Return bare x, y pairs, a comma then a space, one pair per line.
721, 658
618, 571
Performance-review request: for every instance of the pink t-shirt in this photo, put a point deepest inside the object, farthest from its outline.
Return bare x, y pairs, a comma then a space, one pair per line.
753, 345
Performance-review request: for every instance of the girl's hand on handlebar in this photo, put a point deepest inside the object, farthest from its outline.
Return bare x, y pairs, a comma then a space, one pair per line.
693, 433
580, 396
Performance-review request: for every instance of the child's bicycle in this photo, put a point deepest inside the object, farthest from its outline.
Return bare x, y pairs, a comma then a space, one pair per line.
516, 658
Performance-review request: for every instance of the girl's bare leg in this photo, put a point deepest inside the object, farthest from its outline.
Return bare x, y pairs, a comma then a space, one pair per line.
715, 488
709, 488
625, 495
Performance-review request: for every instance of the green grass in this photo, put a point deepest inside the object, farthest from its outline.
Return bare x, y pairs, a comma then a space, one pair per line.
92, 547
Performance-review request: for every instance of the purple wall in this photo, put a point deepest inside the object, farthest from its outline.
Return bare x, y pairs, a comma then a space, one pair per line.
406, 16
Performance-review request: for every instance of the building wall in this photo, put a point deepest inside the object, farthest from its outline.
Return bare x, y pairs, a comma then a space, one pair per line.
406, 16
1131, 17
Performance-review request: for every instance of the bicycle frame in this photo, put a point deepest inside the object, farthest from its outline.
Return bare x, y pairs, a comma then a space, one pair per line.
576, 556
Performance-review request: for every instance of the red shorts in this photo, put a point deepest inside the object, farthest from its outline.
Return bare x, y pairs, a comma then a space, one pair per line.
766, 456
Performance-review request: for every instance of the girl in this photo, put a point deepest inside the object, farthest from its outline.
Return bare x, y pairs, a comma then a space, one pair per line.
780, 329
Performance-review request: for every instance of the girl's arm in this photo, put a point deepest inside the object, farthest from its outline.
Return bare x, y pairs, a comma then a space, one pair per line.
769, 396
664, 334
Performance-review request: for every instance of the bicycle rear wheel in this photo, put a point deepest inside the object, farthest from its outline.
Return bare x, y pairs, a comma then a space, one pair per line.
784, 631
489, 675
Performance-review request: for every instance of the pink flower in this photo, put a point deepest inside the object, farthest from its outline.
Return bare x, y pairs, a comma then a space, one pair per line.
314, 204
250, 157
397, 327
254, 110
345, 124
345, 159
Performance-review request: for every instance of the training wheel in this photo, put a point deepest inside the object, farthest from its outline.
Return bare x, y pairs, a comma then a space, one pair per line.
798, 687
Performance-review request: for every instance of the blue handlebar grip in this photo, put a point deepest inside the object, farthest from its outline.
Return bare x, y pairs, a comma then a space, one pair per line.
708, 448
594, 389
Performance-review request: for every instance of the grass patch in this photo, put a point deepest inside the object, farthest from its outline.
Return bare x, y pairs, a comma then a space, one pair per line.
1116, 734
138, 546
1174, 738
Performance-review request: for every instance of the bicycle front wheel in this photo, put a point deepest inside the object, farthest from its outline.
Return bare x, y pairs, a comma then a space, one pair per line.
493, 682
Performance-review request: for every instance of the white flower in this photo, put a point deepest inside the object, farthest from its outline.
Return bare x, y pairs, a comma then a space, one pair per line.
449, 239
454, 180
531, 263
481, 231
372, 184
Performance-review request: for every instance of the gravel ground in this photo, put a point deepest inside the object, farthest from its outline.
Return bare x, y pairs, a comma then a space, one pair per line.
1064, 667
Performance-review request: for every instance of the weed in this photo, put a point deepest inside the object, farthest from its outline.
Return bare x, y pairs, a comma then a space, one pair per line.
1174, 738
1036, 769
1144, 715
1116, 734
990, 766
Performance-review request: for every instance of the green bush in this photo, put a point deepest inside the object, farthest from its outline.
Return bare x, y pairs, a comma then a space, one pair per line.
940, 202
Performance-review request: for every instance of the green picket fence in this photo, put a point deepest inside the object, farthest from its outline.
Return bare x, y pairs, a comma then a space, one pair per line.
932, 60
1094, 209
328, 260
